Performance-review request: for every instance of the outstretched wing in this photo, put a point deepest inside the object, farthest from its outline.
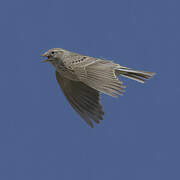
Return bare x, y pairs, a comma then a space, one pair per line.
84, 99
100, 75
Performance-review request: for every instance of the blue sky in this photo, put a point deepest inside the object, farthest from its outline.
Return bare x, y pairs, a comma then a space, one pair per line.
41, 137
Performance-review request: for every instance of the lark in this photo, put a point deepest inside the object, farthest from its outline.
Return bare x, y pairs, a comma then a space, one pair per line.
83, 78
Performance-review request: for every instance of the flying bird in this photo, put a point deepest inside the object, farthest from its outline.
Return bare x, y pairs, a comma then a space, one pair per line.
83, 78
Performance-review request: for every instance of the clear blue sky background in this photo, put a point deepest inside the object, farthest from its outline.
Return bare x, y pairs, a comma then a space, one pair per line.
41, 137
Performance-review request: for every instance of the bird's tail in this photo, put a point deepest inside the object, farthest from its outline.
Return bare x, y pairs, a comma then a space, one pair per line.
140, 76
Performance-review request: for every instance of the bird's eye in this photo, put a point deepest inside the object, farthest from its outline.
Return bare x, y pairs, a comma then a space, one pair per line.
52, 53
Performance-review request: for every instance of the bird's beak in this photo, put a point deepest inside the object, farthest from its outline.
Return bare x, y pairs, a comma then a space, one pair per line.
44, 55
46, 60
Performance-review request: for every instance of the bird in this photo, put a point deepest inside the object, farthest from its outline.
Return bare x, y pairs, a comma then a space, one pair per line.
83, 78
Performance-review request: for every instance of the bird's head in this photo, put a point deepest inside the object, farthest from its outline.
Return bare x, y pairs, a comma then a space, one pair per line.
53, 55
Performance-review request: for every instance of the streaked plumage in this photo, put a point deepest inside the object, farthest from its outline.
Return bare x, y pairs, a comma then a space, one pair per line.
82, 78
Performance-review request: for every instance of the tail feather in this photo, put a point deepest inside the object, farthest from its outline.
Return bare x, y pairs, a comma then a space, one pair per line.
140, 76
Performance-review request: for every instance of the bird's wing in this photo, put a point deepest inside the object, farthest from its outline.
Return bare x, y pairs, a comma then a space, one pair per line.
100, 75
84, 99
